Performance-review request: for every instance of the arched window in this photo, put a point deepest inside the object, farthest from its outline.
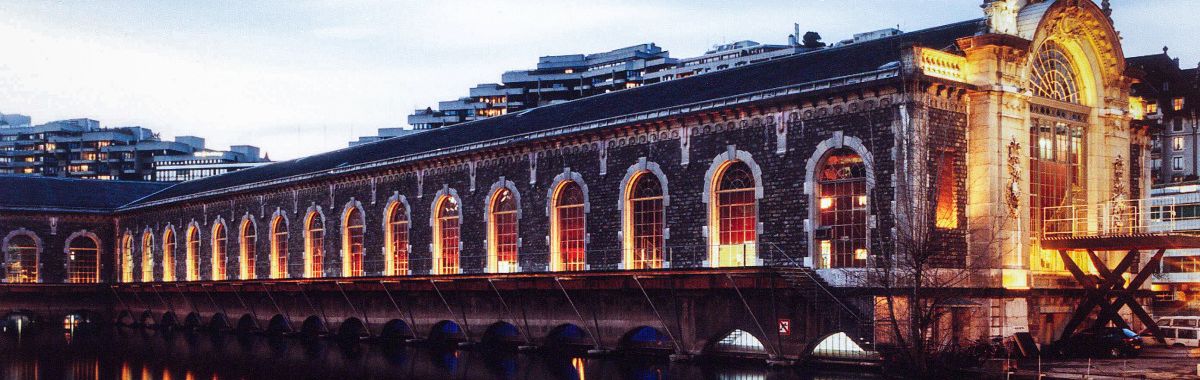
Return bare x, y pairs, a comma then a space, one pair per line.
192, 254
1052, 75
147, 256
352, 238
841, 238
168, 260
446, 236
502, 232
279, 248
644, 222
249, 249
83, 260
397, 239
21, 257
314, 245
127, 257
568, 231
219, 250
734, 216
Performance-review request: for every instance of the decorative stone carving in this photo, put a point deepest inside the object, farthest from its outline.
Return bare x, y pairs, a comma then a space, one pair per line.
1013, 196
1119, 191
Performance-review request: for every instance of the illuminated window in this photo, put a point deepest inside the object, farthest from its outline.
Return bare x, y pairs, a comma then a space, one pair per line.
192, 247
736, 216
1177, 104
1151, 108
397, 239
842, 210
502, 232
947, 193
314, 245
147, 256
446, 236
1053, 76
21, 257
1177, 143
248, 250
569, 231
127, 257
352, 236
219, 251
279, 248
83, 260
168, 261
644, 222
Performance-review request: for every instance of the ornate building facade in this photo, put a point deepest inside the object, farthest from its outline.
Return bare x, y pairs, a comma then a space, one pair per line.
835, 159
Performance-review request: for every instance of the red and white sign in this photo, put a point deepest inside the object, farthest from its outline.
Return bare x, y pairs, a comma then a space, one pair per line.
785, 327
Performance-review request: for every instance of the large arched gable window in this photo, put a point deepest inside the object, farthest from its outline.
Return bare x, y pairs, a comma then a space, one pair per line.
127, 257
147, 255
503, 228
644, 218
168, 253
314, 244
220, 250
83, 258
279, 246
732, 192
248, 248
191, 260
842, 203
1058, 148
396, 243
353, 231
447, 217
568, 227
1052, 75
22, 257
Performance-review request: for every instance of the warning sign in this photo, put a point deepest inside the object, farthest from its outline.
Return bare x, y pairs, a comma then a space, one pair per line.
785, 327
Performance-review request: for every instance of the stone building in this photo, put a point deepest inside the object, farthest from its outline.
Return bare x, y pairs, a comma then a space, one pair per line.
971, 132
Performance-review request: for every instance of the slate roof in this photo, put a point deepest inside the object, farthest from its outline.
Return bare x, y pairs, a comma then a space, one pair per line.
514, 128
39, 193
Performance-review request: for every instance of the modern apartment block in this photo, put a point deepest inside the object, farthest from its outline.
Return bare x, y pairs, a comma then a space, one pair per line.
562, 78
81, 148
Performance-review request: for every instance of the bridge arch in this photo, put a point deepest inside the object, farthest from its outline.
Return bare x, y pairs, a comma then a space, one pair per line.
568, 334
246, 324
395, 330
501, 333
312, 327
838, 345
125, 319
644, 338
192, 320
737, 342
147, 319
278, 325
219, 322
169, 320
352, 329
446, 331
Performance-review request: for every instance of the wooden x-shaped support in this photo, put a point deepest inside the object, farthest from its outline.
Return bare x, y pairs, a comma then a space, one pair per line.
1111, 285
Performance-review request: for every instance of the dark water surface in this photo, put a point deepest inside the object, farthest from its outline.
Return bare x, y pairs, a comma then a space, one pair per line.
135, 353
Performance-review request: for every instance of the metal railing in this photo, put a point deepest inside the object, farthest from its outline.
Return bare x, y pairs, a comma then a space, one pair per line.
1157, 215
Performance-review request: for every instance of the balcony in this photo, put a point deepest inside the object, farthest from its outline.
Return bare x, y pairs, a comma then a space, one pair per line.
1162, 222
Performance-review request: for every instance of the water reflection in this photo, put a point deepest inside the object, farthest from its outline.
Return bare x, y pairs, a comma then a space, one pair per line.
144, 354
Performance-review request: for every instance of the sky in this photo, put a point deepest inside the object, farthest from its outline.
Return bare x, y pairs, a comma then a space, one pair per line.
306, 76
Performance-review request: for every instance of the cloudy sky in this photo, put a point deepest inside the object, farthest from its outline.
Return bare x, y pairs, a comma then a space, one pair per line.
299, 77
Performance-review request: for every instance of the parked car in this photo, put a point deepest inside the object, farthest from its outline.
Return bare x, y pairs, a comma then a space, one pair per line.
1180, 331
1111, 342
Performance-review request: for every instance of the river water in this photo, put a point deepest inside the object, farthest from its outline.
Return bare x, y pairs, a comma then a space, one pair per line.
136, 353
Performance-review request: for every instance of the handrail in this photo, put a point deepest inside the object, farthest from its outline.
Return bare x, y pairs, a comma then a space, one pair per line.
816, 281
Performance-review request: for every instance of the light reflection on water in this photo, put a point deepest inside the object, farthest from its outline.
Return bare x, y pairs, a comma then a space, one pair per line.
138, 354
